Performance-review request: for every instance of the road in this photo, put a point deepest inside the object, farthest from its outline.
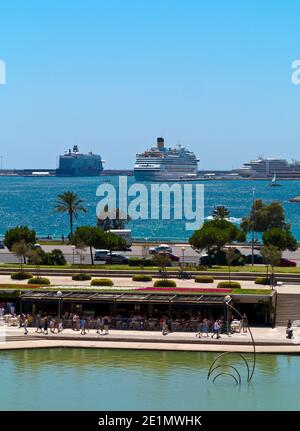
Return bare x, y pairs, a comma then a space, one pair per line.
183, 251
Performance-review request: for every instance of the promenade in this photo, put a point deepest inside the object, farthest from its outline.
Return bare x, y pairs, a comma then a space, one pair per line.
267, 340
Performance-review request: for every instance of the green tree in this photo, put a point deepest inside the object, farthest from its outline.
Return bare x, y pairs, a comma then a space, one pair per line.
220, 212
71, 203
17, 234
162, 261
113, 242
281, 238
263, 217
91, 236
214, 234
20, 249
230, 257
36, 257
272, 256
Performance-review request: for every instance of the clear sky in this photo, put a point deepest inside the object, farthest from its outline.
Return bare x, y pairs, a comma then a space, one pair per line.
111, 75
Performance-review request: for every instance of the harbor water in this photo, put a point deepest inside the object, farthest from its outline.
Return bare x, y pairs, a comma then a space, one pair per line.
30, 201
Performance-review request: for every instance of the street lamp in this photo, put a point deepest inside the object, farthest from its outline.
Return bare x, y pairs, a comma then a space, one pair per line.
59, 295
252, 231
183, 250
73, 248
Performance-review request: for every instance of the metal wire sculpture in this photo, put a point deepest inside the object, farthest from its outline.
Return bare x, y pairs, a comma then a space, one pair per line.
214, 366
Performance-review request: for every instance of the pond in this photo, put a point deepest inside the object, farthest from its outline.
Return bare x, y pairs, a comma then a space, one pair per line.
96, 379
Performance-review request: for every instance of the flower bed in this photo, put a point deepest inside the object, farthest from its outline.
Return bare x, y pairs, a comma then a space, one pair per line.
186, 289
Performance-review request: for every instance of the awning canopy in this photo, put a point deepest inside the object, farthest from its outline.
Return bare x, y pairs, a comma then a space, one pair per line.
122, 297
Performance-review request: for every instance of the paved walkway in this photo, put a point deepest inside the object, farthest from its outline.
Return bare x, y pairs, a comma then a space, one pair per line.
267, 340
127, 283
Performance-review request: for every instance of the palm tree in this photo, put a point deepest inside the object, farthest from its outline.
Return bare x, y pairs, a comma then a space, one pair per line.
220, 212
71, 203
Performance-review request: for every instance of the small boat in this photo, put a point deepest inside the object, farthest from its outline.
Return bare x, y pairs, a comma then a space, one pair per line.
274, 183
296, 199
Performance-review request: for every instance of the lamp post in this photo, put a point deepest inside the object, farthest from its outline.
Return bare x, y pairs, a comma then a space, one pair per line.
73, 249
183, 250
252, 231
59, 295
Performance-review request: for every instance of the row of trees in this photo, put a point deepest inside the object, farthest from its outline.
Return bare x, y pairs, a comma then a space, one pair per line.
266, 220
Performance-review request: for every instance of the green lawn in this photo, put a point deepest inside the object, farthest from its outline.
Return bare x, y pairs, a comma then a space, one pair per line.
16, 289
256, 268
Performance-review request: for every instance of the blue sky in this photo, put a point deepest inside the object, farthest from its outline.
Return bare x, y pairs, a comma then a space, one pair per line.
112, 75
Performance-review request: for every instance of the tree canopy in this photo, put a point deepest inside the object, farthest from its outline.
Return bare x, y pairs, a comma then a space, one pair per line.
18, 234
215, 234
264, 216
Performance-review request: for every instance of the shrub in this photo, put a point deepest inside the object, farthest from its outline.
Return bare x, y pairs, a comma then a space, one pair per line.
22, 275
204, 279
229, 285
102, 282
263, 280
141, 277
136, 261
54, 257
165, 283
81, 277
40, 280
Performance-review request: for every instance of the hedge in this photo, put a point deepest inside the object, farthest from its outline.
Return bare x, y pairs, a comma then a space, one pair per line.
141, 277
165, 283
229, 285
102, 282
21, 275
263, 280
40, 280
136, 261
81, 277
204, 279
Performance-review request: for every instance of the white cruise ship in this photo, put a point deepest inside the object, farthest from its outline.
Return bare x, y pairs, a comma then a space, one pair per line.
161, 162
267, 168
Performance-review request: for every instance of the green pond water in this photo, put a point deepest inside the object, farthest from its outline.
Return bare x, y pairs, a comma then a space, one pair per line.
92, 379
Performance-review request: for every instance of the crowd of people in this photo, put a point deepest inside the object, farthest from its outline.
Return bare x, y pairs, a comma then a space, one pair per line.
203, 326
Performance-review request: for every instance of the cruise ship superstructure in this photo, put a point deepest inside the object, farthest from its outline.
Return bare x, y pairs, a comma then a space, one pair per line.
161, 162
74, 163
266, 168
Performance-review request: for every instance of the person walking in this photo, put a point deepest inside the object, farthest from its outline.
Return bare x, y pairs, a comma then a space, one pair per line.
205, 327
39, 325
25, 325
199, 329
289, 330
244, 323
83, 325
216, 329
46, 325
99, 326
105, 325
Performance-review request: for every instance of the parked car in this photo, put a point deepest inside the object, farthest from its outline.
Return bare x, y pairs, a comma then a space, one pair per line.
287, 262
257, 259
101, 255
171, 256
2, 245
116, 258
162, 247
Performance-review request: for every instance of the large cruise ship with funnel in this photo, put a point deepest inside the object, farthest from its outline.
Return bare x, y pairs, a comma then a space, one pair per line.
76, 164
161, 162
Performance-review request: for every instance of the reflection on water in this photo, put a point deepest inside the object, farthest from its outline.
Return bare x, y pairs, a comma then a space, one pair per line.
89, 379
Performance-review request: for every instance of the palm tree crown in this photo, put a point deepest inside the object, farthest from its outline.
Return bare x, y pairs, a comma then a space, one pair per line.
220, 212
71, 203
